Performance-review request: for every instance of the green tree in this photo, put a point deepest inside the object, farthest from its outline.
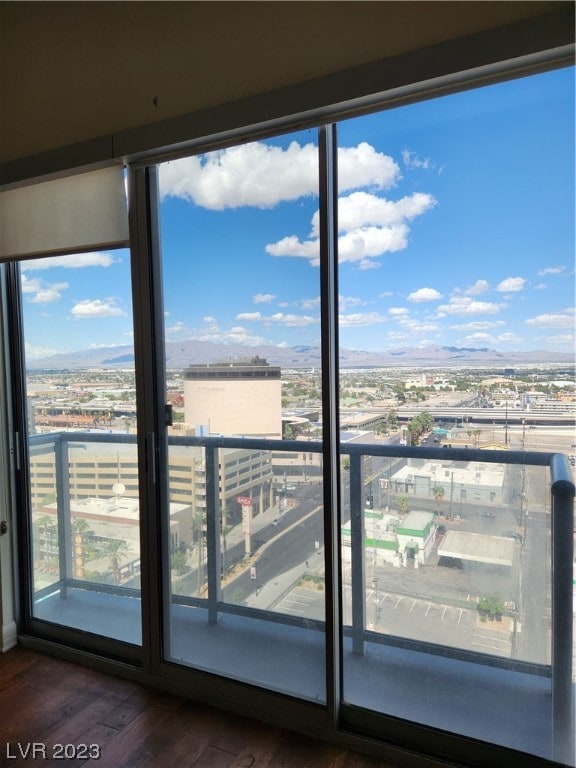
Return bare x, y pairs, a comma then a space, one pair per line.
178, 562
438, 492
392, 418
402, 504
491, 607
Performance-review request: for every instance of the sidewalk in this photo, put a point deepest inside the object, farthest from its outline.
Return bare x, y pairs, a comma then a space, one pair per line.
266, 596
270, 594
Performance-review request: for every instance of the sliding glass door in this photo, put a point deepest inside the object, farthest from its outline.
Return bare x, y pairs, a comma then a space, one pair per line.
333, 493
83, 519
447, 277
244, 518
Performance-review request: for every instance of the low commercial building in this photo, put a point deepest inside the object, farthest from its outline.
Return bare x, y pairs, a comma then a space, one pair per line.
416, 535
471, 482
388, 541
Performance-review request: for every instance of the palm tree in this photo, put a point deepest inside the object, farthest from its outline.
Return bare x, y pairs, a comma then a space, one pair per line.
438, 491
115, 550
46, 521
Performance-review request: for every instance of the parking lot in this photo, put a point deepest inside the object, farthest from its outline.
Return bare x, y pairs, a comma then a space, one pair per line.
412, 618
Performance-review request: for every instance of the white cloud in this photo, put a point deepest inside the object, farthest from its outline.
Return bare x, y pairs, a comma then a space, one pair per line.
361, 319
249, 316
44, 293
424, 294
72, 261
479, 287
563, 319
488, 338
508, 338
263, 175
363, 166
417, 326
511, 285
463, 305
481, 325
361, 209
97, 308
294, 321
398, 311
50, 293
235, 335
369, 227
360, 246
309, 304
30, 286
178, 327
252, 174
561, 340
479, 337
346, 302
263, 298
551, 271
292, 246
291, 320
385, 294
411, 160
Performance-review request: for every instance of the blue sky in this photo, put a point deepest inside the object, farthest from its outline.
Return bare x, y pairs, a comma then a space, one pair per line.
456, 228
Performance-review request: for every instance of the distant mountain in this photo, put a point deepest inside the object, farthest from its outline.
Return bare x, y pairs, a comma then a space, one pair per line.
182, 354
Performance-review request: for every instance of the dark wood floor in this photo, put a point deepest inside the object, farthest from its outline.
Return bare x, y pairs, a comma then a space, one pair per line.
52, 702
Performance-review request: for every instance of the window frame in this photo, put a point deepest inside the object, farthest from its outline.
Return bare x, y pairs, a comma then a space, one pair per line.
343, 725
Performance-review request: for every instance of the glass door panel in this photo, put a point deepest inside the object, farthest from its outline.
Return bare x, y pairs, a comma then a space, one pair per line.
450, 252
243, 364
83, 466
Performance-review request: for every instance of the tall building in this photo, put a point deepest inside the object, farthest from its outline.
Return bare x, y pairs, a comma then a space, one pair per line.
242, 397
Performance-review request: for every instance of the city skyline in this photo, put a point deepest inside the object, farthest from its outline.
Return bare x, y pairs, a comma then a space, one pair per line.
456, 228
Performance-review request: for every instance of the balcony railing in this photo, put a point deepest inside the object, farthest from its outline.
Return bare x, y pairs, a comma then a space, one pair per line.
358, 630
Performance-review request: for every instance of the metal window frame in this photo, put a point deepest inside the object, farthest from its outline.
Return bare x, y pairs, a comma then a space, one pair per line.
218, 128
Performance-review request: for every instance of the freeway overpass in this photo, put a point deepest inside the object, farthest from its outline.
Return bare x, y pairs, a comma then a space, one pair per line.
460, 414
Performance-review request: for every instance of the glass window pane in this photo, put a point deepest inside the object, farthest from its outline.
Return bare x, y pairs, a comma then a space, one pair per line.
456, 228
83, 469
243, 365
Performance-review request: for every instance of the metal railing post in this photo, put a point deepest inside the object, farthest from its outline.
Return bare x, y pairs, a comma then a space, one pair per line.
63, 513
213, 532
357, 554
562, 620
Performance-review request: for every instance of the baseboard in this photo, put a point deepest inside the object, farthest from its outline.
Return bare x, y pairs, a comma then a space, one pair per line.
9, 637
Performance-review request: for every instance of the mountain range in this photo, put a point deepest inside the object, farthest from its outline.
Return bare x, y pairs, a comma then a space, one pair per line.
182, 354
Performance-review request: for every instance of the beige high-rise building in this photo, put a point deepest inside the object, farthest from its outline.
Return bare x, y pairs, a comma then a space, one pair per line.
242, 397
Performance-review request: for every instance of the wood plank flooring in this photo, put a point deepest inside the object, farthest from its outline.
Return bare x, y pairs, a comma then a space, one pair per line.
48, 702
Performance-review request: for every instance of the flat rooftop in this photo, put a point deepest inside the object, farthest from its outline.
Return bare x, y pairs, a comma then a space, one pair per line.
493, 550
